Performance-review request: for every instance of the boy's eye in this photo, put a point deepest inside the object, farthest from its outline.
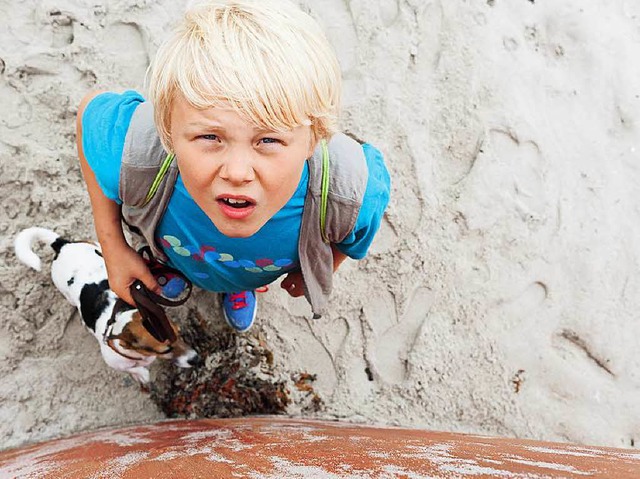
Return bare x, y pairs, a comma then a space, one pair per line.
210, 137
268, 141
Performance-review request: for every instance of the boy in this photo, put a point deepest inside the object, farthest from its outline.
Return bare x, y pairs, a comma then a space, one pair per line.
243, 93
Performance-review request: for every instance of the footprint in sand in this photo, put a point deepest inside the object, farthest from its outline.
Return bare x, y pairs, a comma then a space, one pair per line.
394, 340
385, 239
17, 110
389, 12
62, 23
125, 47
516, 310
508, 176
339, 26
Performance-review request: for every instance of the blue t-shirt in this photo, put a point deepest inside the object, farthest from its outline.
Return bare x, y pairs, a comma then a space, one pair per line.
191, 241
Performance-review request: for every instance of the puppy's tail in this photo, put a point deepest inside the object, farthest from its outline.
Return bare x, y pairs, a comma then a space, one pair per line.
26, 238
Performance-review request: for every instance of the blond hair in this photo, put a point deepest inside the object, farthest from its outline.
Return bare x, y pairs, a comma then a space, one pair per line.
266, 59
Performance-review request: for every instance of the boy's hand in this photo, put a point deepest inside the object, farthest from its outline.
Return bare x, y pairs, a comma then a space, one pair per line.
124, 266
294, 284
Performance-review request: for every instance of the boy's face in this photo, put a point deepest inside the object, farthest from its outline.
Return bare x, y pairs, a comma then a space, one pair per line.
239, 175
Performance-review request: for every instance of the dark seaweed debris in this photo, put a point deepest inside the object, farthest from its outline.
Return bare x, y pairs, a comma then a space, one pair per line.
237, 377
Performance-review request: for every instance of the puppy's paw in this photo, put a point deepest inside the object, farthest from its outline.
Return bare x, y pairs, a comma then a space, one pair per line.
140, 374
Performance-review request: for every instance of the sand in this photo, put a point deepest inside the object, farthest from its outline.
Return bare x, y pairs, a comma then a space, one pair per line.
501, 294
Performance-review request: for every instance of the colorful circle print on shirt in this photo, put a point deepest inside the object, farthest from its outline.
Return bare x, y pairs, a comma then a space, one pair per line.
209, 255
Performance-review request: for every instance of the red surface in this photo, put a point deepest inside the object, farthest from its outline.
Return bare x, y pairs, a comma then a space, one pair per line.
275, 447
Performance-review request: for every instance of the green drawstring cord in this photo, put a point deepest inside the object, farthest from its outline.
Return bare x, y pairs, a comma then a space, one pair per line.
158, 179
324, 193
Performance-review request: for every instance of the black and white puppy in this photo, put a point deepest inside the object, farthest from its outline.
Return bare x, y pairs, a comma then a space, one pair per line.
79, 272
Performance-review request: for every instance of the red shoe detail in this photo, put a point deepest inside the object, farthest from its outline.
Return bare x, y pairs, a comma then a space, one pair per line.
239, 300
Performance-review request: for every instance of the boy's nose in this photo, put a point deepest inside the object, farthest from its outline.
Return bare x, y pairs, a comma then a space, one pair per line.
237, 169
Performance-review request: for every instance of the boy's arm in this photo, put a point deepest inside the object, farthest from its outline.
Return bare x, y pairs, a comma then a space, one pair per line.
106, 213
124, 265
338, 257
294, 281
357, 243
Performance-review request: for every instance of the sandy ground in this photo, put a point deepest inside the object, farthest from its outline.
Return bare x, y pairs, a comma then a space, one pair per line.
501, 295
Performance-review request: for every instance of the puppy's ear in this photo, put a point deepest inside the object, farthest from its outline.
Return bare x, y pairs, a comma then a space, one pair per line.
143, 338
126, 337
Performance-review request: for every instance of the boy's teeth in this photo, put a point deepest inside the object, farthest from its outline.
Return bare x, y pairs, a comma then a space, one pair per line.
234, 202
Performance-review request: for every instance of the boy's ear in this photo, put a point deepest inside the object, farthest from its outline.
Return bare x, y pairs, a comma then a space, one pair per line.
313, 142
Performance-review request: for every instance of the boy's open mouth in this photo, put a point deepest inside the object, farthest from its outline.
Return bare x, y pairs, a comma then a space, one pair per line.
236, 207
236, 201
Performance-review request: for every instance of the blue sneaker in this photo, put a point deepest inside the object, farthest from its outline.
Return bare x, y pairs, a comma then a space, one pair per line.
240, 309
172, 288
